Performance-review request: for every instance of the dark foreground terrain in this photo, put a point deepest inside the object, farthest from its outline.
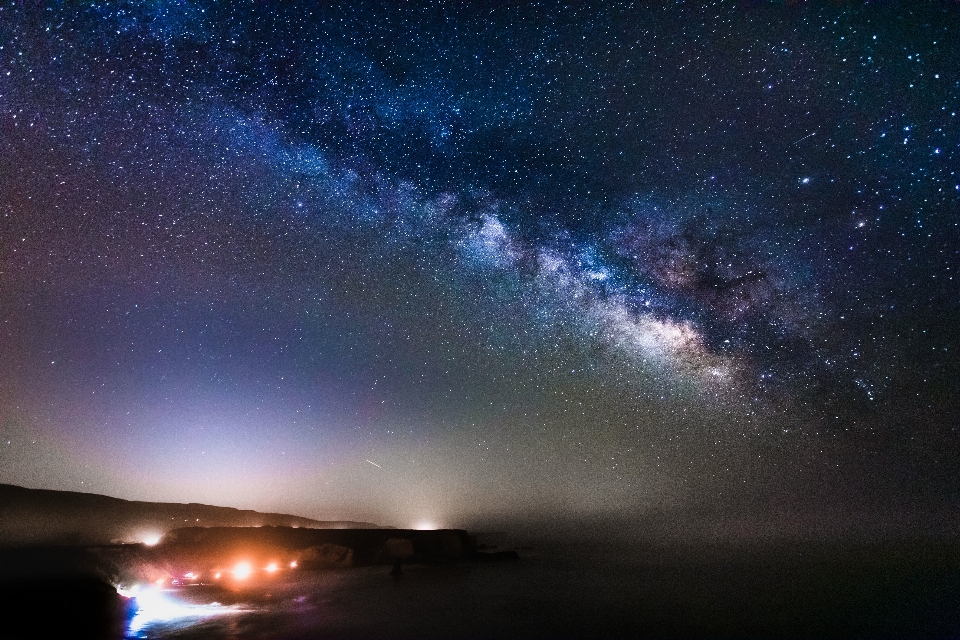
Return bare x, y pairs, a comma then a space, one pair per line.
905, 589
59, 592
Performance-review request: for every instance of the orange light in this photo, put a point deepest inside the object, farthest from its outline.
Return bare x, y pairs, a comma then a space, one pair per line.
217, 575
272, 567
293, 565
242, 570
160, 582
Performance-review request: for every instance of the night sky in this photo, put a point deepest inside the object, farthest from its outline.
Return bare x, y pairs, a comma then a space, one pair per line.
459, 265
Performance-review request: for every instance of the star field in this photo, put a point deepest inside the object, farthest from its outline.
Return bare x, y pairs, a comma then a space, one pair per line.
539, 260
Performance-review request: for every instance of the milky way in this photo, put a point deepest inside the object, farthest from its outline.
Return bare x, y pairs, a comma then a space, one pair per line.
521, 261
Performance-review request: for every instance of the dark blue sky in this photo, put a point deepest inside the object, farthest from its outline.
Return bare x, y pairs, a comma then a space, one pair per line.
460, 263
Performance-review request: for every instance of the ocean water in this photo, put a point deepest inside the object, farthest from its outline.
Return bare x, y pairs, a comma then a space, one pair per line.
593, 593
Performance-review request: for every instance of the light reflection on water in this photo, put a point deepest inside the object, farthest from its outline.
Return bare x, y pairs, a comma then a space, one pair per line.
155, 607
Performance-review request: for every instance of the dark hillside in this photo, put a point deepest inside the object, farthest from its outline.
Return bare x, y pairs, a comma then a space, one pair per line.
41, 516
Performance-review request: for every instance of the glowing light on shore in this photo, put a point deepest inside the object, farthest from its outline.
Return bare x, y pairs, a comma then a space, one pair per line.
425, 525
272, 567
242, 571
293, 565
156, 606
150, 539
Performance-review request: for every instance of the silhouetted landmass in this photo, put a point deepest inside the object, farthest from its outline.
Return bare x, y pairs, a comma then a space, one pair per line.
208, 548
86, 608
42, 516
60, 592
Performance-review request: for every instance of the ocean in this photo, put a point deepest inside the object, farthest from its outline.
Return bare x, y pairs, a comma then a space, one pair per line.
890, 591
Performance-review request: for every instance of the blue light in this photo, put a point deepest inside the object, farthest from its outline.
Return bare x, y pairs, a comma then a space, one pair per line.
154, 605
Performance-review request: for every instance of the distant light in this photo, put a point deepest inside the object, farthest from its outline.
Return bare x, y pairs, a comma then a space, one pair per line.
425, 526
160, 582
272, 567
190, 575
151, 539
242, 570
293, 565
216, 576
